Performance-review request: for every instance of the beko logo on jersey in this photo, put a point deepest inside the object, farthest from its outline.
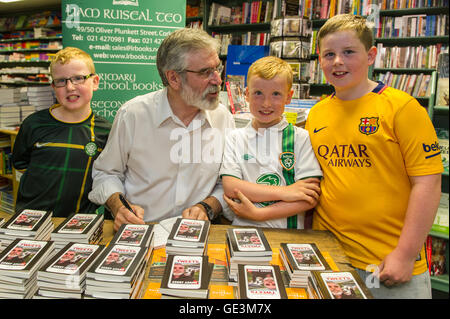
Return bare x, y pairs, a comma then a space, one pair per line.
345, 155
433, 148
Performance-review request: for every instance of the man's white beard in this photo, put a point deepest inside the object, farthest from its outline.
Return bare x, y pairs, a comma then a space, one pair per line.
201, 101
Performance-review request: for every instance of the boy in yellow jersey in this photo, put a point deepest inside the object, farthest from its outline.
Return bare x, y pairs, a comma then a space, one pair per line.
381, 162
57, 146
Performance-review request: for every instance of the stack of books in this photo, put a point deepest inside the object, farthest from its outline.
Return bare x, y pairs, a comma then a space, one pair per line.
63, 276
337, 285
118, 273
299, 260
135, 235
19, 263
246, 246
6, 192
79, 228
260, 282
25, 111
188, 236
186, 277
41, 97
28, 224
9, 115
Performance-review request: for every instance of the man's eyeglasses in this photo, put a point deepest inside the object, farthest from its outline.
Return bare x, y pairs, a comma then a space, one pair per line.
208, 72
76, 80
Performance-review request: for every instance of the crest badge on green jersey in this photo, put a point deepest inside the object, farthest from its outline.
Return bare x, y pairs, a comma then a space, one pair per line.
90, 149
287, 160
368, 125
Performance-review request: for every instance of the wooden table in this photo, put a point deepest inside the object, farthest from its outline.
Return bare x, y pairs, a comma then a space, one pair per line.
324, 240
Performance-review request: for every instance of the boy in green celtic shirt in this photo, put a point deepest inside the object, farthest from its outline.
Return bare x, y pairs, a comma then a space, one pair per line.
269, 166
57, 146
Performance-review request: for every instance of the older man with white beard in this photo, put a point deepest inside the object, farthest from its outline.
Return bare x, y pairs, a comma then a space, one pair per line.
165, 148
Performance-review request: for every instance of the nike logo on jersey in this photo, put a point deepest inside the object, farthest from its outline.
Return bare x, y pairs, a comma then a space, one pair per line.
320, 129
39, 145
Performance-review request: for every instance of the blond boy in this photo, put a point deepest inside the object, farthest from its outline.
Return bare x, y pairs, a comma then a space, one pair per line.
381, 184
57, 146
270, 162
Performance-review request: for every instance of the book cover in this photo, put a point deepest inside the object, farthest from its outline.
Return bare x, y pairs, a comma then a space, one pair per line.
23, 256
118, 260
260, 282
248, 240
187, 276
340, 285
135, 235
73, 259
78, 224
442, 90
27, 220
304, 257
189, 232
185, 272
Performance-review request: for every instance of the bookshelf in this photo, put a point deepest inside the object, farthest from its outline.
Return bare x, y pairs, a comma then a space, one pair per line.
10, 177
409, 41
440, 116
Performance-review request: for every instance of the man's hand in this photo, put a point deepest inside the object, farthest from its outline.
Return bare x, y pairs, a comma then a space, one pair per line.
124, 216
195, 212
121, 214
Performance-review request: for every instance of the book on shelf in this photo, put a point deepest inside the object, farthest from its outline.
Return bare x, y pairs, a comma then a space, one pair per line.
442, 91
19, 263
437, 258
186, 276
219, 14
79, 227
117, 273
338, 285
27, 224
440, 223
235, 86
299, 260
442, 135
63, 276
260, 282
188, 235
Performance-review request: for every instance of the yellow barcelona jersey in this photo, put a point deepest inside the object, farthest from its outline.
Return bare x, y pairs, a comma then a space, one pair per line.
367, 148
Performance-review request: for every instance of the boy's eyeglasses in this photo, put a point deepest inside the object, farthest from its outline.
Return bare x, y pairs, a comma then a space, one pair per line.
76, 80
208, 72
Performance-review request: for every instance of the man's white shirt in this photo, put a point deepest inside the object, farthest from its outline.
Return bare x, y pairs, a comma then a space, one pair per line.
159, 163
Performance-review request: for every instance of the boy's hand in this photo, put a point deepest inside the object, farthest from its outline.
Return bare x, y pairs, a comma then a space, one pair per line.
244, 208
124, 216
396, 269
306, 189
